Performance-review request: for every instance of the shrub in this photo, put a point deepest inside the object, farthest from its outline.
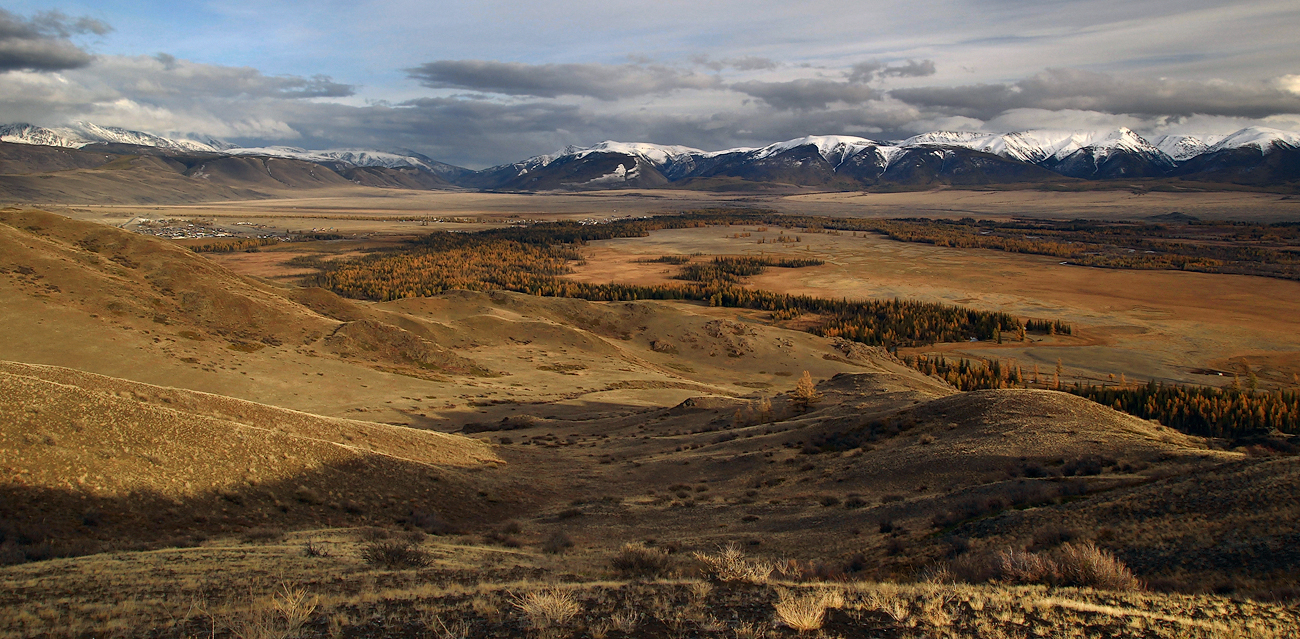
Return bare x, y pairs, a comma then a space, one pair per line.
1022, 567
395, 555
639, 560
730, 564
1082, 565
557, 543
1087, 565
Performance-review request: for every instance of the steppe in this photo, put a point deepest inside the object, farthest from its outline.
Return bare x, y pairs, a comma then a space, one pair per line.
198, 445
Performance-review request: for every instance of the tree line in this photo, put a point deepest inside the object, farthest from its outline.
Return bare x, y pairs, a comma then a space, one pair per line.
1229, 413
531, 260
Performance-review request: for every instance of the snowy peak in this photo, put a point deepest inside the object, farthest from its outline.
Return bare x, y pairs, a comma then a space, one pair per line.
1037, 146
1184, 147
656, 154
28, 134
80, 134
833, 148
355, 157
1262, 138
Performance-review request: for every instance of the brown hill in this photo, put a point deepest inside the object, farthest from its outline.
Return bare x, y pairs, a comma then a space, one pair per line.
119, 174
103, 459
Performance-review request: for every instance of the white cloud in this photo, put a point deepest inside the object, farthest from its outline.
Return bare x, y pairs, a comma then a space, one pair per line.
1289, 83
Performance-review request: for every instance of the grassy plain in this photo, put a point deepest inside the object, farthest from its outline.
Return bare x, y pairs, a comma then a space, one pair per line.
1163, 325
332, 206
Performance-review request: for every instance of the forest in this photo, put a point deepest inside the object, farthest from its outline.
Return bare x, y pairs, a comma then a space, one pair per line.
532, 259
1230, 413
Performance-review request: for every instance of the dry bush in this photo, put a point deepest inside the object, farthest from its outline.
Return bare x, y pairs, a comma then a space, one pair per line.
548, 608
1087, 565
1083, 565
731, 564
557, 543
1022, 567
639, 560
395, 554
278, 617
625, 621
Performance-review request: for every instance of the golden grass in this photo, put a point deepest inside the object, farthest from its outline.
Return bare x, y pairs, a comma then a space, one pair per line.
548, 608
805, 612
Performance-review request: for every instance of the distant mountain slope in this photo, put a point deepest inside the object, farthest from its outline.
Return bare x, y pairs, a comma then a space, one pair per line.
935, 158
81, 134
1255, 156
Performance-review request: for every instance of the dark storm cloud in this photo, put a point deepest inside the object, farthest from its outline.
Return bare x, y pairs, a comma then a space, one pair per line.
1059, 89
805, 93
602, 81
41, 43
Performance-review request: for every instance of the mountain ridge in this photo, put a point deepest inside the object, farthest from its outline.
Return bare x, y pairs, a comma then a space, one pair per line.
1248, 156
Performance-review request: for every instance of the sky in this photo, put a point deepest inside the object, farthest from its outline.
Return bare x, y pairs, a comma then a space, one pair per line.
483, 83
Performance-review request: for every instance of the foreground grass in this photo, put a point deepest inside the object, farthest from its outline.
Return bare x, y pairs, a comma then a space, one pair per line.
467, 590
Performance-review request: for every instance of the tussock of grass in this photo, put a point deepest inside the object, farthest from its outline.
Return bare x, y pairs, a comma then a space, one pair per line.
548, 608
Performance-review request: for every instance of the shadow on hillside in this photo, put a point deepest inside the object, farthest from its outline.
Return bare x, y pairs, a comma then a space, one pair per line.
44, 522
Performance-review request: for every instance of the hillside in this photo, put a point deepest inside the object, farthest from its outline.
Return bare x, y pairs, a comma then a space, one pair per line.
97, 460
128, 174
169, 426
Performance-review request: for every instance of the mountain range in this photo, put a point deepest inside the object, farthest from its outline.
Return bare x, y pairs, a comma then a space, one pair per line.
1255, 156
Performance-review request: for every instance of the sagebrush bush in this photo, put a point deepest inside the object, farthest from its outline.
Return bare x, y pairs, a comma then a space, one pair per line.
639, 560
395, 554
557, 543
1087, 565
1083, 565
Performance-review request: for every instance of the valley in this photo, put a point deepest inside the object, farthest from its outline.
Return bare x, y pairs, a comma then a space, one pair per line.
215, 441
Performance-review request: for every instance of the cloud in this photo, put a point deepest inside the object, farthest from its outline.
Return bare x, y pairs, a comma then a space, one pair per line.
1288, 83
868, 71
1073, 89
164, 75
911, 69
745, 63
41, 43
164, 95
601, 81
805, 93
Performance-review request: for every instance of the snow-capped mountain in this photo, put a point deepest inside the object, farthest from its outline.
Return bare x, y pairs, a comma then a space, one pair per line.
80, 134
1184, 147
1262, 138
355, 157
1046, 147
824, 161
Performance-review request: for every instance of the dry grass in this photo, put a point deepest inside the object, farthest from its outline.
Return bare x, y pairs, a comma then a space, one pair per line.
806, 611
729, 563
548, 608
277, 617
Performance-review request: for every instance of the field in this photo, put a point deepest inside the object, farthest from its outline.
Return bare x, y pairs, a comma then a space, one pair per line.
1162, 325
196, 445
